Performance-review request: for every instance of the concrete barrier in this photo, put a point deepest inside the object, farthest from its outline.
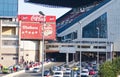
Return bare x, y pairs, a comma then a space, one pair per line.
22, 71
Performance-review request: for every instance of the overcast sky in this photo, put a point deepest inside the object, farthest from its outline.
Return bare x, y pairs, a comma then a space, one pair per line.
31, 8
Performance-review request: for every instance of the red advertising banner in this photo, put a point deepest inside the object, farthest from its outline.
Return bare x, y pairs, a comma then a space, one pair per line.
50, 18
31, 18
50, 31
36, 18
33, 30
32, 25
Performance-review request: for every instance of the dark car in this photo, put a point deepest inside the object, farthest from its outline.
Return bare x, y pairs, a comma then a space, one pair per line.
46, 73
96, 75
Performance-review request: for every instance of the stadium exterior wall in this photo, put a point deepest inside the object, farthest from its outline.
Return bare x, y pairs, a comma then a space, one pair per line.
113, 12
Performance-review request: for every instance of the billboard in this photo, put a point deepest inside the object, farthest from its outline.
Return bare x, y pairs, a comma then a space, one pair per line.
36, 18
32, 27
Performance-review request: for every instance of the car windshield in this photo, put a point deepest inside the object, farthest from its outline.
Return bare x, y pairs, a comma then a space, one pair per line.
84, 71
36, 68
57, 73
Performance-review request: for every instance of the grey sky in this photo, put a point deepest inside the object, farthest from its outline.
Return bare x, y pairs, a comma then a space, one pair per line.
31, 8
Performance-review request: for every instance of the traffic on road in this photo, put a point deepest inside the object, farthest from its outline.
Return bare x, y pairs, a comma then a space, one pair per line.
60, 69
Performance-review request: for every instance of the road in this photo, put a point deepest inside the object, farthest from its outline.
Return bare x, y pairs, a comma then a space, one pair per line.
30, 74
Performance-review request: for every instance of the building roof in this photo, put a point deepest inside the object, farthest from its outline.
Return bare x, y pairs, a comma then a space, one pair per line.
65, 3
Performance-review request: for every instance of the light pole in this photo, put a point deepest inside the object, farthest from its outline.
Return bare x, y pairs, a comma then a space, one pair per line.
98, 47
80, 46
106, 50
41, 13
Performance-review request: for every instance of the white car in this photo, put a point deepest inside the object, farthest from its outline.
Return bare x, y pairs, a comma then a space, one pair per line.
85, 72
36, 70
57, 73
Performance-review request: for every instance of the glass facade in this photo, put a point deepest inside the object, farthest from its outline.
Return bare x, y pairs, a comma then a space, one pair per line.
8, 8
97, 28
70, 36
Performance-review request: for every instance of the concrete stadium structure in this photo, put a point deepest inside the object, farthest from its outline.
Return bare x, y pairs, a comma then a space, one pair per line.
93, 28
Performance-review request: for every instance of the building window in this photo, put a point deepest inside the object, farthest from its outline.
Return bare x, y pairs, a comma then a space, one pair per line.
9, 42
85, 46
90, 30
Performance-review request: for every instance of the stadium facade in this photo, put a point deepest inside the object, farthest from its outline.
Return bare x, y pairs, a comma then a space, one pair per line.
90, 29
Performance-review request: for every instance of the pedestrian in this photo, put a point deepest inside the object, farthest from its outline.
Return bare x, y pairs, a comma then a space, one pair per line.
11, 69
14, 68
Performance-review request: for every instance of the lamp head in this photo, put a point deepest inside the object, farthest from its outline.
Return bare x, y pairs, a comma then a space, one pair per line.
40, 12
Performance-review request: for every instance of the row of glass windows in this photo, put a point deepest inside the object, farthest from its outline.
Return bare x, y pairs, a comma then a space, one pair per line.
83, 46
70, 36
97, 28
8, 7
9, 42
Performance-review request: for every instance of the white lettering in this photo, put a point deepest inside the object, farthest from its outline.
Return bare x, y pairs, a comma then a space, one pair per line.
29, 27
37, 18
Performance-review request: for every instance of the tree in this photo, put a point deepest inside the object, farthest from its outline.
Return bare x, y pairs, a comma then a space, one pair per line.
110, 68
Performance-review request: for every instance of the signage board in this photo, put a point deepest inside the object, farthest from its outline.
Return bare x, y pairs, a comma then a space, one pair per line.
67, 50
33, 30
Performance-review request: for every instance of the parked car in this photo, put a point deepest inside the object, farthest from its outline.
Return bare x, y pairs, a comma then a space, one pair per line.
36, 70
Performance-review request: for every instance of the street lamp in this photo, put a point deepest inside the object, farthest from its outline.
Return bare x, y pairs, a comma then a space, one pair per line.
98, 47
80, 45
41, 13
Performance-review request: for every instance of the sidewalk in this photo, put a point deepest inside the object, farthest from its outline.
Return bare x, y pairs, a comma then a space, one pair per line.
23, 71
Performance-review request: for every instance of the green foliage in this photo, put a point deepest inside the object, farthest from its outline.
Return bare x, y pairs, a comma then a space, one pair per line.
110, 68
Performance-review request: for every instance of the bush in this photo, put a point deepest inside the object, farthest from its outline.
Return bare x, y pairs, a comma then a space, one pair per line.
110, 68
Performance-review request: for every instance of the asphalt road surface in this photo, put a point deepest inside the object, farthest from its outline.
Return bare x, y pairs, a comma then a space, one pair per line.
30, 74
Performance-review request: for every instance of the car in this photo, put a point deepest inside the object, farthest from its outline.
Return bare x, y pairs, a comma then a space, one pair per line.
96, 75
5, 70
75, 68
91, 72
58, 74
67, 72
85, 72
36, 70
46, 73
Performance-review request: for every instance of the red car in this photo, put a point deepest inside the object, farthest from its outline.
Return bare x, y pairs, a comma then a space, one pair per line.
91, 72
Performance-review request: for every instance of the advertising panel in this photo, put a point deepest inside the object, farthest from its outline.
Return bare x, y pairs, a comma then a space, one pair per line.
36, 18
31, 18
32, 27
31, 30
